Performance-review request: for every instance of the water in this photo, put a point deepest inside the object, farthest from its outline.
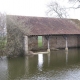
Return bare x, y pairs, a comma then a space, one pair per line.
59, 65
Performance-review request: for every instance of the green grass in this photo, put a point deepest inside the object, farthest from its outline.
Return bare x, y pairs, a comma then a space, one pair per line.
39, 41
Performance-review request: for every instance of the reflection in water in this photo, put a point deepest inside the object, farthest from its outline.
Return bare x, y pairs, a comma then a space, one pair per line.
48, 59
3, 68
66, 52
42, 67
40, 61
27, 64
16, 68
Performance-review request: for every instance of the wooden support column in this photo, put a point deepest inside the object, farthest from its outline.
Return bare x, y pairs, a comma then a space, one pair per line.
66, 44
26, 44
48, 44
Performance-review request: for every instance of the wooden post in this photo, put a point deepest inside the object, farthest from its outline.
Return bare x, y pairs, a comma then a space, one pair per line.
26, 44
48, 46
66, 45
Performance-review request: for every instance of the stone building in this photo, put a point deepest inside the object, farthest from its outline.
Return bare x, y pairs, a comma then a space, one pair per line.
23, 32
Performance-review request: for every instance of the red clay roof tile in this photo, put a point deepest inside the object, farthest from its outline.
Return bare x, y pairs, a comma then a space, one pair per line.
45, 25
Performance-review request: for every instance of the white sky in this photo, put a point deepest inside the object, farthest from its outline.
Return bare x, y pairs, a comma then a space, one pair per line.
31, 7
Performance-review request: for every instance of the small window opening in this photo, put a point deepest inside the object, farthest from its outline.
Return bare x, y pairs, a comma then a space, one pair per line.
39, 41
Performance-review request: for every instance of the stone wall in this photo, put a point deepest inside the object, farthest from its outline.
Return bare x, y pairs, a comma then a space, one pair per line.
55, 42
73, 41
78, 40
60, 42
33, 42
52, 42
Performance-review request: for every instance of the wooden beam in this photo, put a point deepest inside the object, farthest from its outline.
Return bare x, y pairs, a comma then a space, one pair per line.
66, 43
48, 44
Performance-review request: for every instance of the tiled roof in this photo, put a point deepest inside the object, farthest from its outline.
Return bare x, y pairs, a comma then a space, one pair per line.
45, 25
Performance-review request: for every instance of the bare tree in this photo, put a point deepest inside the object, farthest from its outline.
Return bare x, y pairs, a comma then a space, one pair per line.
2, 24
58, 11
76, 4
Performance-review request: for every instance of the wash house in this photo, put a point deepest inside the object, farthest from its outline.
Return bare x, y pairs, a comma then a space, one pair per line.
23, 34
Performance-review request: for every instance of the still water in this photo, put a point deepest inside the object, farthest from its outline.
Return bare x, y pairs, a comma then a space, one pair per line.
58, 65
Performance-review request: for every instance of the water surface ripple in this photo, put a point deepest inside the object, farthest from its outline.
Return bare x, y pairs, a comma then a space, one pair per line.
58, 65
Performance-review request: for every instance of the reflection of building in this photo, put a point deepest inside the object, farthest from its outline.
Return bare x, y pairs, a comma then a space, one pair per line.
38, 65
40, 62
48, 59
73, 56
3, 69
16, 68
57, 58
66, 56
26, 64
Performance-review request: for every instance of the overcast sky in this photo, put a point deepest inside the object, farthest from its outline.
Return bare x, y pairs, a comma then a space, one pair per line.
31, 7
